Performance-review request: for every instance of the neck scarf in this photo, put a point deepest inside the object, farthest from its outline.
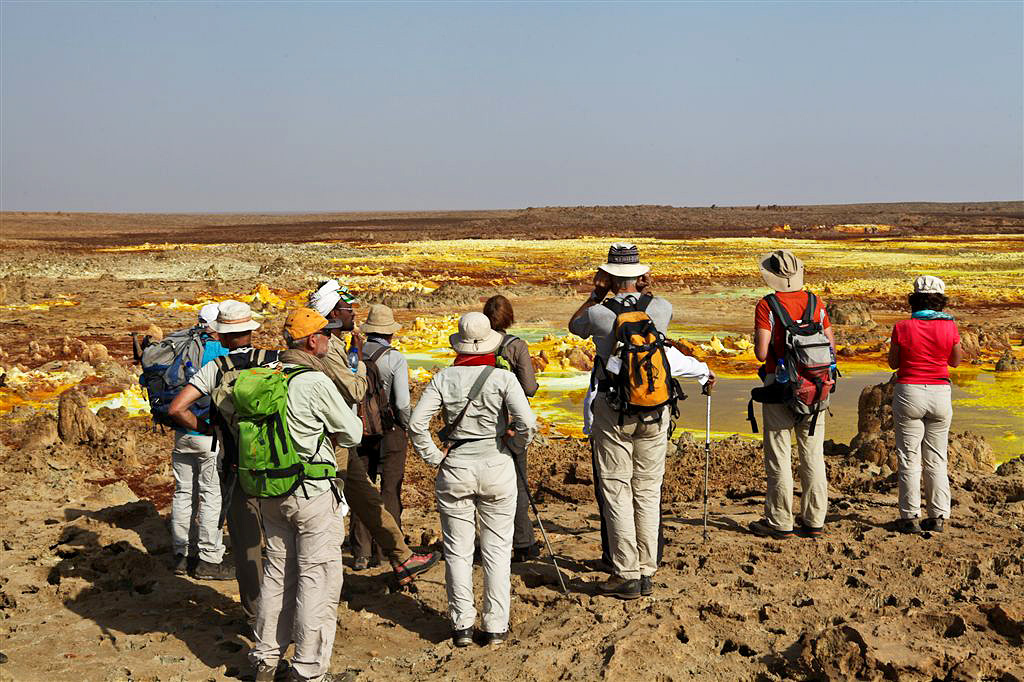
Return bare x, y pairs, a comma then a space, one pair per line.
473, 360
931, 315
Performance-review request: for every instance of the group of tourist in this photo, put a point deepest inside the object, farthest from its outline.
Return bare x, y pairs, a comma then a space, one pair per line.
349, 414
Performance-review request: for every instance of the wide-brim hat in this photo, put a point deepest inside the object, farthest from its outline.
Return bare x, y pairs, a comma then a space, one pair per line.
234, 316
475, 336
782, 271
624, 261
380, 320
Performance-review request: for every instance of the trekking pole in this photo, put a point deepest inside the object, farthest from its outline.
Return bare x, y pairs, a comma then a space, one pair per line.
707, 464
522, 476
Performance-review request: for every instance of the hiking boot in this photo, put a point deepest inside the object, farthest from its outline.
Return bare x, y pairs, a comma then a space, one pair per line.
272, 673
808, 531
762, 528
529, 553
207, 571
180, 565
417, 563
495, 638
936, 525
462, 638
617, 586
646, 585
361, 563
908, 526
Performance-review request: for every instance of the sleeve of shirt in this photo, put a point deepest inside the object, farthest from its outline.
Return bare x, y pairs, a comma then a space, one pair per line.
400, 389
688, 367
524, 367
762, 316
338, 418
955, 333
521, 418
419, 425
825, 322
581, 326
205, 378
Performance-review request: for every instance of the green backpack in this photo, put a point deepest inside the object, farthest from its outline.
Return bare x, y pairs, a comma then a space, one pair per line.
268, 464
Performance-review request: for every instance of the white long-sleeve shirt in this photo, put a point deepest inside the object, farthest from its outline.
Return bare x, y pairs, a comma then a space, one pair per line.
484, 424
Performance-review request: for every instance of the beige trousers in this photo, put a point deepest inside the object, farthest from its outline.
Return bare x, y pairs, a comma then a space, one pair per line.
302, 578
922, 414
778, 421
631, 466
468, 489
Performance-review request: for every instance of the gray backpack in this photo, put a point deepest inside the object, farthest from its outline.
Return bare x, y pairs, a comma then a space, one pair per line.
167, 366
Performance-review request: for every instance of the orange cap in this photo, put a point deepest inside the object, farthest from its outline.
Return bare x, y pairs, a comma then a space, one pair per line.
302, 322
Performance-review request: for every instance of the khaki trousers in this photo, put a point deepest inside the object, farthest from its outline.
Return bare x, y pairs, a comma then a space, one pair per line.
367, 505
383, 458
477, 487
778, 421
302, 579
630, 467
922, 414
243, 521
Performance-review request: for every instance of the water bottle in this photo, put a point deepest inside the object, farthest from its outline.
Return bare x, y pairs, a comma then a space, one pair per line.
781, 375
353, 358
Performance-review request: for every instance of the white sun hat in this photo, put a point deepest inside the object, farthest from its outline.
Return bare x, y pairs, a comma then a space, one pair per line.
475, 336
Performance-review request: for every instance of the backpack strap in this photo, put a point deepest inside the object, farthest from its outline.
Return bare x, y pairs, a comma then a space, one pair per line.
779, 311
505, 343
812, 304
377, 353
643, 302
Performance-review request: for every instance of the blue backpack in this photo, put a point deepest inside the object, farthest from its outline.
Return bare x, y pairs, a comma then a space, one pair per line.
167, 366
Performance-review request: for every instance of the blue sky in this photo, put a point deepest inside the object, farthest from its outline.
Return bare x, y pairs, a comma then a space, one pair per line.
350, 106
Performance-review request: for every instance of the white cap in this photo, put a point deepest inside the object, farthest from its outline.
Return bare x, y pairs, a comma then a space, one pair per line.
929, 284
208, 314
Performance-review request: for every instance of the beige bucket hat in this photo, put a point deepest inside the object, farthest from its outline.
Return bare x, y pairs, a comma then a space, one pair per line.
475, 336
782, 271
380, 320
234, 316
624, 261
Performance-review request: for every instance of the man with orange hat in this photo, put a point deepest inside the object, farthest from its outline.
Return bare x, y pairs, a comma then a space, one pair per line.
302, 574
335, 302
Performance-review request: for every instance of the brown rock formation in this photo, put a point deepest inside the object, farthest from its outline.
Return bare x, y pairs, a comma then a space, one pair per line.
75, 421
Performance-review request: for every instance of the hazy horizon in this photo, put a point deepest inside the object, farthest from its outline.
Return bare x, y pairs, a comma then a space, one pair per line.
353, 107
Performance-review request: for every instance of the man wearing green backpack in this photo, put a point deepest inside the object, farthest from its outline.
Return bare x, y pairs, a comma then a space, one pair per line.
290, 421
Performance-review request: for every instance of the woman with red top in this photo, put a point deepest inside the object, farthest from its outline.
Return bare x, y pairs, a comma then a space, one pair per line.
923, 349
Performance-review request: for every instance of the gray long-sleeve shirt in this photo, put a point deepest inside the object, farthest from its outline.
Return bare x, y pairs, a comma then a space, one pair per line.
485, 418
598, 322
394, 377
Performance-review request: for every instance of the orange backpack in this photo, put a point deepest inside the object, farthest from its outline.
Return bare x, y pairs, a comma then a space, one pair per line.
638, 371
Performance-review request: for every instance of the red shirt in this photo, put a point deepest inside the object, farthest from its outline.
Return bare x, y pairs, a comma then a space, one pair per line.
925, 346
794, 303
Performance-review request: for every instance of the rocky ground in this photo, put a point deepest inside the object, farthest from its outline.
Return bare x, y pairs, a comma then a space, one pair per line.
87, 593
